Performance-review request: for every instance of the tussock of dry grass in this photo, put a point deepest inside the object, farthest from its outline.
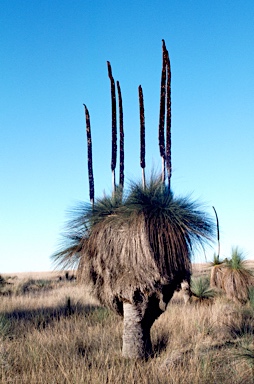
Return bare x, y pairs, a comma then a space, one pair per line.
62, 335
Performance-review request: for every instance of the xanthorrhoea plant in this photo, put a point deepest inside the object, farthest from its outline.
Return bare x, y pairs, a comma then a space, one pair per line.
134, 249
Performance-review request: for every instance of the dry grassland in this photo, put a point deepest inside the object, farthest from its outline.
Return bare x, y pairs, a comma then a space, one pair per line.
53, 332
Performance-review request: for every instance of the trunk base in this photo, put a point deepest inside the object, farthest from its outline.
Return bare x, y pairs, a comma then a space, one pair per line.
136, 335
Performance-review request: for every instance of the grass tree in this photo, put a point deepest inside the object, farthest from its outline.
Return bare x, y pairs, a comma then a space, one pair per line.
134, 248
237, 278
134, 253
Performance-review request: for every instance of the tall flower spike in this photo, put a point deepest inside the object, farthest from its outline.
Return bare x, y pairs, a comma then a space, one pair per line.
218, 230
142, 134
162, 110
89, 155
168, 119
121, 132
114, 126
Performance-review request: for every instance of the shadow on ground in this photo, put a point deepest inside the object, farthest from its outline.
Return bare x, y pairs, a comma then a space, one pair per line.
40, 318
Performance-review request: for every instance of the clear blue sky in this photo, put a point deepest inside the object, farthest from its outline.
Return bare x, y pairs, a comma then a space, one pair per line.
53, 59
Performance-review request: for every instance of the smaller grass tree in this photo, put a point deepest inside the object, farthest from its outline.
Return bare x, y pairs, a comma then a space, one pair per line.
237, 278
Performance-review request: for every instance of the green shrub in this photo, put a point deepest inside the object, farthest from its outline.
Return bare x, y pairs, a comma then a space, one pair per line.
200, 287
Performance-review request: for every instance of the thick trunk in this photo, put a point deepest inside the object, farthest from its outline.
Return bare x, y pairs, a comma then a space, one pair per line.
138, 320
136, 333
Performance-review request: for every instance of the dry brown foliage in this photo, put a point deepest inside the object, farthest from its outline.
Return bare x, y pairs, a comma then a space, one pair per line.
216, 279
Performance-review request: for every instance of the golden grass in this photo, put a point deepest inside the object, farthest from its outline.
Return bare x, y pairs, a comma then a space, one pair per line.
62, 335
